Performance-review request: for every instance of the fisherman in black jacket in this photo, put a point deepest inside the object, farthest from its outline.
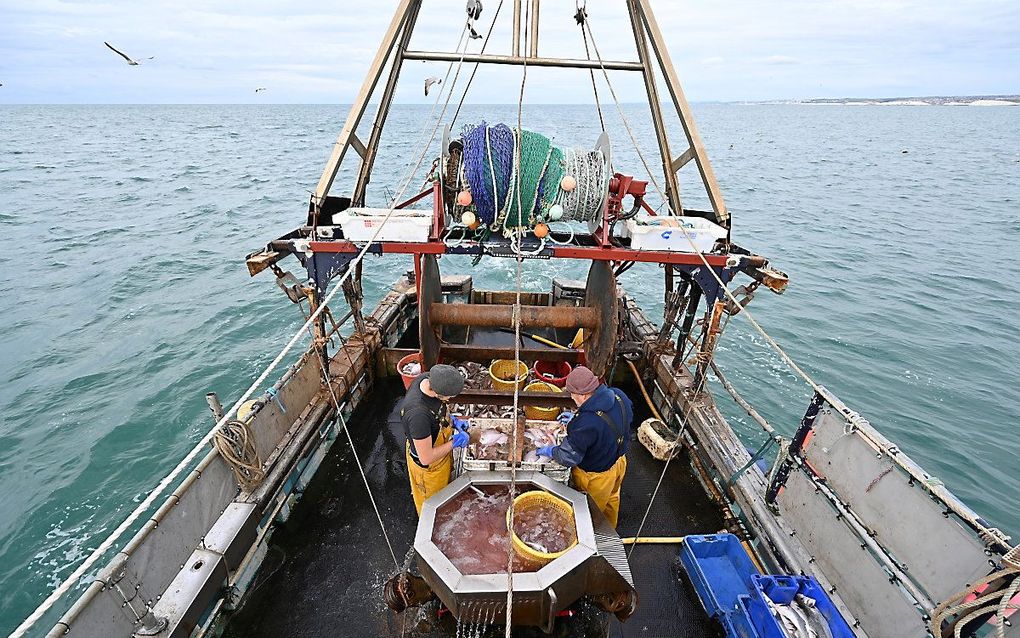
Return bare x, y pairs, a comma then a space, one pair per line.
597, 440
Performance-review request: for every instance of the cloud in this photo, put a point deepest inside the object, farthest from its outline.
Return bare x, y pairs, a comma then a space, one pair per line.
779, 59
215, 50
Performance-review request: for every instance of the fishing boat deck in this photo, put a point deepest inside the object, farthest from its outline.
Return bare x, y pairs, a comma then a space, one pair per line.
326, 566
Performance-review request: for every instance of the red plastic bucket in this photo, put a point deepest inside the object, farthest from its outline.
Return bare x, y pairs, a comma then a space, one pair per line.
554, 372
408, 378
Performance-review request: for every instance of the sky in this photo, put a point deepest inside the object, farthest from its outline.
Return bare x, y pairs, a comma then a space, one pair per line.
218, 51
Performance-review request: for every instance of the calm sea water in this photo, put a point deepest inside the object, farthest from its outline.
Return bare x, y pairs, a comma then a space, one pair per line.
124, 295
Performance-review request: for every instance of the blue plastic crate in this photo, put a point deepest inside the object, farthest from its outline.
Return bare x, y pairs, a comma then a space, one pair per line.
720, 571
782, 590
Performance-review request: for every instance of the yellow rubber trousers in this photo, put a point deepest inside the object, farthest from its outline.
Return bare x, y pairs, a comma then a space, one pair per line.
603, 487
426, 481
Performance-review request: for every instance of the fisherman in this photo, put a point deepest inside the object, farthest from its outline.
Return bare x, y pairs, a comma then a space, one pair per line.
431, 433
597, 438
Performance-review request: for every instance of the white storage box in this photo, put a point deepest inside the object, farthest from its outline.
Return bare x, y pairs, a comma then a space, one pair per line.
664, 233
360, 224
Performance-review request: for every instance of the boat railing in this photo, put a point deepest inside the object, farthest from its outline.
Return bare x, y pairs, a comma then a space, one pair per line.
893, 542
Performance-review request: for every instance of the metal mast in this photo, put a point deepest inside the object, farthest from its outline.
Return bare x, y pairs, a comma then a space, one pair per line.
651, 52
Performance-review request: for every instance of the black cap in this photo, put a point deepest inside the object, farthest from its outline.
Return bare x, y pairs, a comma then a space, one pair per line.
445, 380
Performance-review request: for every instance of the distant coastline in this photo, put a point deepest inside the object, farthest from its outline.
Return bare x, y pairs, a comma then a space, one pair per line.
930, 100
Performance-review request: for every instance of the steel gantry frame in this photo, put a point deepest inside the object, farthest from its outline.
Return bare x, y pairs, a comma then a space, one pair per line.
651, 51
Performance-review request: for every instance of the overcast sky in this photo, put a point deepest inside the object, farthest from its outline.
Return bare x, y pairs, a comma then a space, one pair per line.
215, 51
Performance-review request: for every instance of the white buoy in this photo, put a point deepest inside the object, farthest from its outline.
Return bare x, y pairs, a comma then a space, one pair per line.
555, 212
467, 218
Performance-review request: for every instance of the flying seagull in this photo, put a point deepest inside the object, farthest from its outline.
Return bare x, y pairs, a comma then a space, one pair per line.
121, 54
429, 82
260, 89
474, 10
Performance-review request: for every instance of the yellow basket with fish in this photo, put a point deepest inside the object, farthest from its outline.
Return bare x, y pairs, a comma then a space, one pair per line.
502, 373
551, 508
535, 412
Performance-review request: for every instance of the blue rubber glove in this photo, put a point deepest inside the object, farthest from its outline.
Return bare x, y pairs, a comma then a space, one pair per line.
546, 451
459, 423
565, 416
460, 439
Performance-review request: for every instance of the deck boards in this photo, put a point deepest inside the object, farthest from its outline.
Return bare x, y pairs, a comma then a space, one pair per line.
324, 573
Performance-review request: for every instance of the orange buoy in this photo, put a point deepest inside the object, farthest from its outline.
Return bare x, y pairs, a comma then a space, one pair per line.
541, 230
464, 198
568, 183
474, 225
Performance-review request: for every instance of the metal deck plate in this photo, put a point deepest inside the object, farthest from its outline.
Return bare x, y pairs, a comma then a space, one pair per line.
327, 565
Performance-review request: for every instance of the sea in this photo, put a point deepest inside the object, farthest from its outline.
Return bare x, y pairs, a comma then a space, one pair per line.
124, 295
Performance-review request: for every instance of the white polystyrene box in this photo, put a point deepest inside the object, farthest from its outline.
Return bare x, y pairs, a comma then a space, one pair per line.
665, 233
361, 224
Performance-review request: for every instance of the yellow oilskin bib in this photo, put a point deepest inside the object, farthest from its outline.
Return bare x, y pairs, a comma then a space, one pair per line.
426, 481
603, 487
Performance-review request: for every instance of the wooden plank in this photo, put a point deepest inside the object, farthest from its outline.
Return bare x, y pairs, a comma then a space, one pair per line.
357, 111
682, 160
260, 261
359, 146
498, 397
683, 109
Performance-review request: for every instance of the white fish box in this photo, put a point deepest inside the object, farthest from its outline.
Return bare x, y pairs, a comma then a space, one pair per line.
361, 224
665, 233
465, 462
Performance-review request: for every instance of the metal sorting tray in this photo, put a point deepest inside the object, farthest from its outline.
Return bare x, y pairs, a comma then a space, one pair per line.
463, 461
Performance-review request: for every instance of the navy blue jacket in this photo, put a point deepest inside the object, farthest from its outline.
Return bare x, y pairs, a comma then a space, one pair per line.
591, 443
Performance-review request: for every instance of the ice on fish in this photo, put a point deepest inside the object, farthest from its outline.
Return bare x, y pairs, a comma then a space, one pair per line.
411, 369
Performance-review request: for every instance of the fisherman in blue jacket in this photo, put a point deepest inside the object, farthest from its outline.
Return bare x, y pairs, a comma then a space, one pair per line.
597, 438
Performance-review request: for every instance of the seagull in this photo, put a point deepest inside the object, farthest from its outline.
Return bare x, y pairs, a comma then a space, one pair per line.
474, 10
260, 89
121, 54
429, 82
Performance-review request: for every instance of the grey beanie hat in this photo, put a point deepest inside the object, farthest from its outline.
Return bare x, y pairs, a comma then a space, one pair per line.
445, 380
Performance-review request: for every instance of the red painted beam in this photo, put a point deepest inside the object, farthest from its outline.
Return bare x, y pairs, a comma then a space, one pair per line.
596, 253
626, 254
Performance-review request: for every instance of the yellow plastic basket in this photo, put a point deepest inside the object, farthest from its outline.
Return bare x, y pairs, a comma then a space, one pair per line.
502, 373
552, 506
537, 413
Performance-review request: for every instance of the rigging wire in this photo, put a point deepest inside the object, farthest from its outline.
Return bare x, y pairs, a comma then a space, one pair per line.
201, 446
517, 347
445, 87
772, 342
357, 460
474, 71
581, 16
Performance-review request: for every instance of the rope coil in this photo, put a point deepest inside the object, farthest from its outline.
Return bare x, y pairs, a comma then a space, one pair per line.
236, 444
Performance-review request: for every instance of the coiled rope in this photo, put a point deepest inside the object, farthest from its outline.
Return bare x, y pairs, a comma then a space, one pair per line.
235, 443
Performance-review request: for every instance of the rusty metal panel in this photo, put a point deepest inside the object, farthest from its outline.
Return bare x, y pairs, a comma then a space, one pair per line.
884, 610
272, 421
939, 554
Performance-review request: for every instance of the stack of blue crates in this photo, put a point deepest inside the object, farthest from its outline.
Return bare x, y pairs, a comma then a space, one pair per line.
733, 591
